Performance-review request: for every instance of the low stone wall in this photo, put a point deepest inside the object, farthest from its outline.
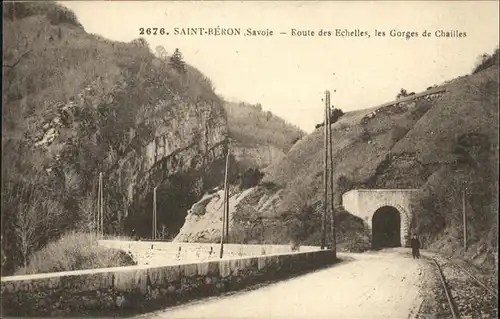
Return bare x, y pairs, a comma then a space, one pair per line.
231, 249
163, 253
137, 289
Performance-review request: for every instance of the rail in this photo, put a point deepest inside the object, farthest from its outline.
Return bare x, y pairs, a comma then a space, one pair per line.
479, 282
451, 302
454, 309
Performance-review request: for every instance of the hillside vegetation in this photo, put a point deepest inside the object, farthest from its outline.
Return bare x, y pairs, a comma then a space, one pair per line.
76, 104
442, 144
250, 125
74, 251
259, 137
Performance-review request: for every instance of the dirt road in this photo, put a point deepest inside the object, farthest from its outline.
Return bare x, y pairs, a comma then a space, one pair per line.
372, 285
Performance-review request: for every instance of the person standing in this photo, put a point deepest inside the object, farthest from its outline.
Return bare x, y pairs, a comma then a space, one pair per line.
415, 246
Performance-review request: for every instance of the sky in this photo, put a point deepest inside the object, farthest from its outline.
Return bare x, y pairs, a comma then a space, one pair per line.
289, 74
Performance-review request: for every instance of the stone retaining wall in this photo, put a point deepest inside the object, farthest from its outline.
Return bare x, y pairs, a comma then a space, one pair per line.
137, 289
163, 253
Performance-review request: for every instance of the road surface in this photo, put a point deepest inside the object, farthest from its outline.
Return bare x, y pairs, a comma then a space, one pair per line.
382, 284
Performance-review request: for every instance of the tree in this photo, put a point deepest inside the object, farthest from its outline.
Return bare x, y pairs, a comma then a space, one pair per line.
269, 115
250, 178
140, 42
335, 114
177, 62
402, 93
161, 52
36, 215
485, 61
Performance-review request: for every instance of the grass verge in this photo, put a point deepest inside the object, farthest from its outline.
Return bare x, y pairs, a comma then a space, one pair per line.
74, 251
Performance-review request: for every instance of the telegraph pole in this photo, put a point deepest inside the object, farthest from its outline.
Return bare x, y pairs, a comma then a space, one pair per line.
226, 190
154, 214
464, 218
101, 210
332, 197
95, 215
225, 212
325, 176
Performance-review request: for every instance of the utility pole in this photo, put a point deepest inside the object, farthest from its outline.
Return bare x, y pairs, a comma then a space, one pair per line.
225, 214
325, 177
332, 197
154, 214
226, 190
95, 215
101, 210
464, 218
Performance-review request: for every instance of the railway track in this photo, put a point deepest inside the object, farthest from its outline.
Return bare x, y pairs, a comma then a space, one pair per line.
464, 295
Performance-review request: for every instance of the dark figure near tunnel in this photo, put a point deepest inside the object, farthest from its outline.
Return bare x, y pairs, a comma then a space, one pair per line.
415, 246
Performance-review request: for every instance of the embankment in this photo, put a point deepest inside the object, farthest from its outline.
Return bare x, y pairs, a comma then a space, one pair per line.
137, 289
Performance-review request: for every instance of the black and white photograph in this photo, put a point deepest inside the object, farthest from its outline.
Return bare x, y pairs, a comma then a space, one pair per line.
250, 159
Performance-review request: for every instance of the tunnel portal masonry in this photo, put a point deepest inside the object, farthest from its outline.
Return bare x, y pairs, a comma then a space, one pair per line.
364, 203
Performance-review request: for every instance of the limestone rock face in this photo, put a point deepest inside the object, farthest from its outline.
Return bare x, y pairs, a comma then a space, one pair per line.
204, 220
175, 146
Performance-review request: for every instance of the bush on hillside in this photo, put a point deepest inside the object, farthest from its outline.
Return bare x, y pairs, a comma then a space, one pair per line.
75, 251
250, 178
295, 140
485, 61
351, 232
250, 227
302, 226
177, 62
402, 93
269, 185
335, 114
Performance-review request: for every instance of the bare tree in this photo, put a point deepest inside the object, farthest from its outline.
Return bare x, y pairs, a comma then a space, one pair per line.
36, 215
33, 220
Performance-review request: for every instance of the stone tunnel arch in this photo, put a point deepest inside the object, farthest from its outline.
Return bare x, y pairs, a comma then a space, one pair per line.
364, 203
389, 226
386, 228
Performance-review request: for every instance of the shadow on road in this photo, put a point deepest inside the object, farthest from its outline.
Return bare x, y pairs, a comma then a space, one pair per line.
341, 260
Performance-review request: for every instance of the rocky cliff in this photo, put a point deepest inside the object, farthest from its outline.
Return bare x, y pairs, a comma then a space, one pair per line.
77, 105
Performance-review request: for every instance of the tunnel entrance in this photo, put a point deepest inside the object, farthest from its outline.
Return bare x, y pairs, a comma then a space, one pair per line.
386, 228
